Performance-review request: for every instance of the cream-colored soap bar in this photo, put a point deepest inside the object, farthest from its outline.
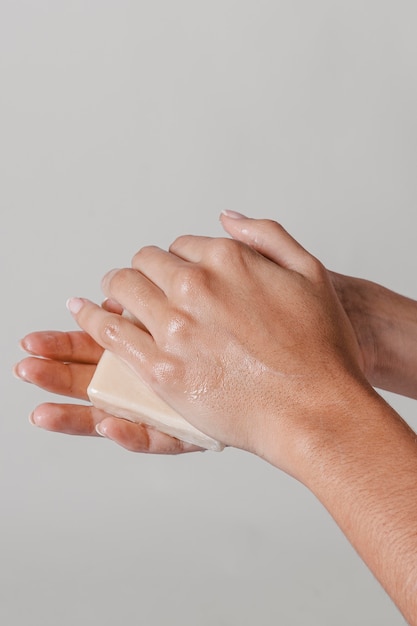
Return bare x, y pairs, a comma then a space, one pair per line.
118, 390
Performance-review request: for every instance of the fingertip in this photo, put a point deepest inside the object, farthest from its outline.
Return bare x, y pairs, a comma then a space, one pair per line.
29, 342
19, 371
237, 225
105, 281
74, 305
101, 429
24, 344
36, 417
232, 214
15, 370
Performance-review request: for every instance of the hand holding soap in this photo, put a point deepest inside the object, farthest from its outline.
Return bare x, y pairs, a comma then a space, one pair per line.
118, 390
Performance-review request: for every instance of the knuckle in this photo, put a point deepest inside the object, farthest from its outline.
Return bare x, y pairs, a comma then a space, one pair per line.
178, 325
109, 329
143, 254
165, 372
266, 230
190, 280
180, 242
222, 251
70, 342
315, 268
268, 225
177, 331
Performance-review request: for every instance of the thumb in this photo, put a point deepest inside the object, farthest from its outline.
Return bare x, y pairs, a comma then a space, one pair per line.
268, 238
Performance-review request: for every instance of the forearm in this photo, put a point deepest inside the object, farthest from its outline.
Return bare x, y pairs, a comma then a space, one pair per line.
362, 466
386, 327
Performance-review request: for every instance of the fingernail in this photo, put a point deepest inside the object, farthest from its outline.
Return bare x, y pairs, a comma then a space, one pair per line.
106, 303
74, 305
23, 344
107, 276
32, 419
111, 272
19, 372
100, 430
233, 214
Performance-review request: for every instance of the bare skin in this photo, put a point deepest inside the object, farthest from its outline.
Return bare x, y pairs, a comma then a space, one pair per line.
257, 351
385, 325
66, 368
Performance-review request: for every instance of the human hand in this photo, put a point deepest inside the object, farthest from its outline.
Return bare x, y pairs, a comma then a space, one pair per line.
252, 351
385, 323
64, 363
260, 354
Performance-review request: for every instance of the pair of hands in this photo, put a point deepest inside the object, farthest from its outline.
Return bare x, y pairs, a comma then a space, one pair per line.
245, 337
256, 344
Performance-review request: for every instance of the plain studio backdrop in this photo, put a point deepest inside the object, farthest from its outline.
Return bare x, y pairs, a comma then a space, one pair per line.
130, 122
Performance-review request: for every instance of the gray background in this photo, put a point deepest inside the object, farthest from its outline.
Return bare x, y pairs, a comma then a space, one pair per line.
125, 123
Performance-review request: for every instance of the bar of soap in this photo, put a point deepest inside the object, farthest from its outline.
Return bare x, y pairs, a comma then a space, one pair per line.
116, 389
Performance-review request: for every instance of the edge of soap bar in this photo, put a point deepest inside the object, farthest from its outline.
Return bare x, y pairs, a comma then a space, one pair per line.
116, 389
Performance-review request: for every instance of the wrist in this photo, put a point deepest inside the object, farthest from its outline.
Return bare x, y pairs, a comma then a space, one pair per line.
341, 438
394, 343
385, 324
309, 435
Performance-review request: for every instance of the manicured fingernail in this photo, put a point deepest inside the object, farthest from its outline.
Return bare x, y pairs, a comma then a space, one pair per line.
19, 372
32, 419
234, 214
100, 430
74, 305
